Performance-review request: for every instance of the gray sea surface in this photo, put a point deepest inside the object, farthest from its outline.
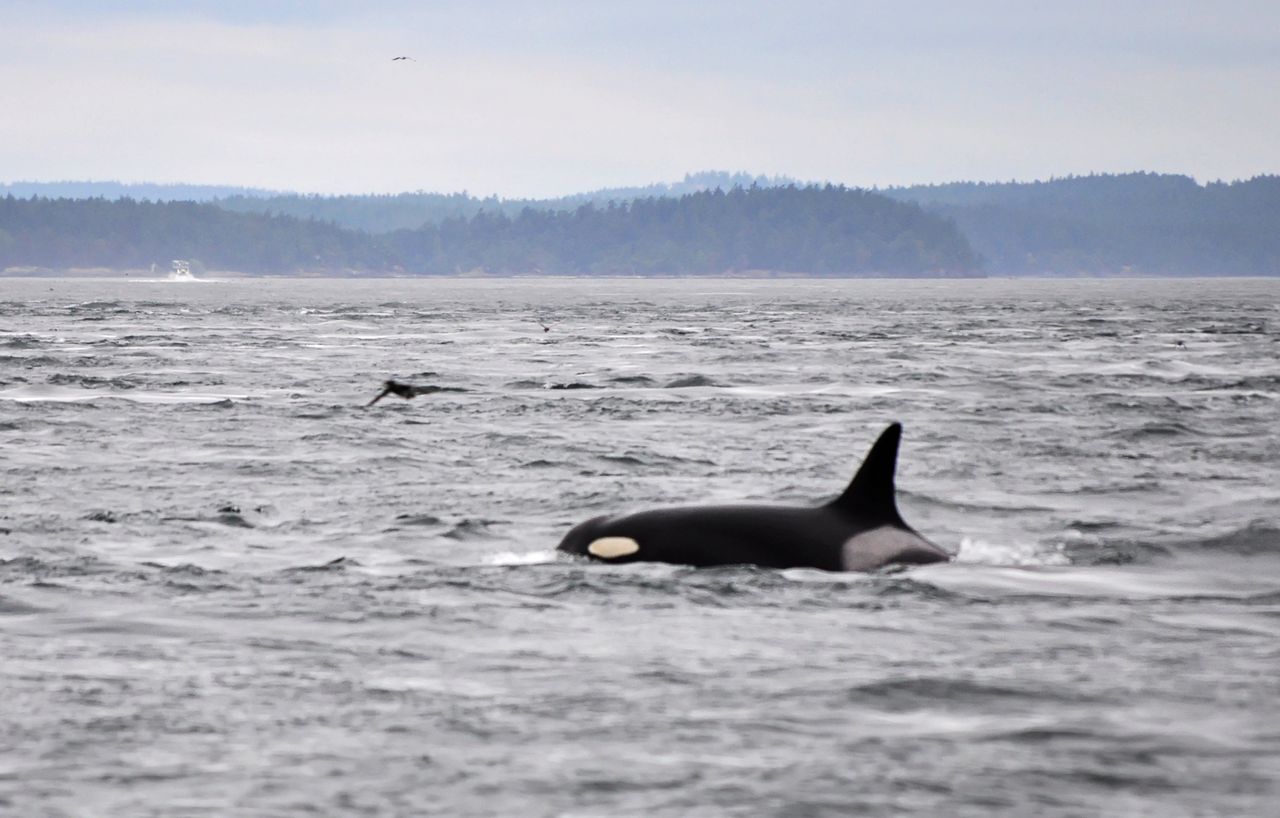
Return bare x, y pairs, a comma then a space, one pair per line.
228, 588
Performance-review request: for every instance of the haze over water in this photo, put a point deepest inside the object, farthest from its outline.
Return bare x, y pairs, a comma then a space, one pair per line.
227, 588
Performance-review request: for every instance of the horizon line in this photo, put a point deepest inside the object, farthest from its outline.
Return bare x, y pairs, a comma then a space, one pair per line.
265, 192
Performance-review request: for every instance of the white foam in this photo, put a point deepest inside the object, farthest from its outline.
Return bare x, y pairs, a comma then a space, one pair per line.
521, 557
64, 394
980, 552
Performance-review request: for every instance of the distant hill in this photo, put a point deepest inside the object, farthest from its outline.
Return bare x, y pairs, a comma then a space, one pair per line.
376, 213
692, 183
128, 190
1098, 225
123, 234
811, 230
1126, 224
828, 230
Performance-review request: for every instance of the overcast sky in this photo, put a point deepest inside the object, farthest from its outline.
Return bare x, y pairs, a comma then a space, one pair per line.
547, 98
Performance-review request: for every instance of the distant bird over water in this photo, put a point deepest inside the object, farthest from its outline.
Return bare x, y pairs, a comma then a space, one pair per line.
408, 391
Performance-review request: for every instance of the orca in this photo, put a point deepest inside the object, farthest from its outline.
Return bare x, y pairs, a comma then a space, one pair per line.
861, 530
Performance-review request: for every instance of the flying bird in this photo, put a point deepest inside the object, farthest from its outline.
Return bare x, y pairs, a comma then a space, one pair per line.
408, 391
393, 59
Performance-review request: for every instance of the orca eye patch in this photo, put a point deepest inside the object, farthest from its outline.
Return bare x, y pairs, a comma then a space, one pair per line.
610, 548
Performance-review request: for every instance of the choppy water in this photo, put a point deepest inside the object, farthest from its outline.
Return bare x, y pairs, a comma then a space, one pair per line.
226, 588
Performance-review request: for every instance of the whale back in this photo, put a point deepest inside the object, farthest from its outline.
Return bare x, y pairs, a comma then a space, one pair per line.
861, 530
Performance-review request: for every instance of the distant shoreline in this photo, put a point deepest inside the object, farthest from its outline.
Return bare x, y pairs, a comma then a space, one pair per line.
226, 275
1129, 225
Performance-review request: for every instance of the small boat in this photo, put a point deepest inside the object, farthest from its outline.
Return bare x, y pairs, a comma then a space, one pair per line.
181, 271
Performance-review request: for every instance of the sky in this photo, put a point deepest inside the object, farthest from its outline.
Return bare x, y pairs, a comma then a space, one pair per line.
537, 99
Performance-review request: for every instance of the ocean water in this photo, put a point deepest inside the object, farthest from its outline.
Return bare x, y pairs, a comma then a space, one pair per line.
228, 588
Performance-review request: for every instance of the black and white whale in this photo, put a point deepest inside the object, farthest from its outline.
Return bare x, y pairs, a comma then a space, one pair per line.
861, 530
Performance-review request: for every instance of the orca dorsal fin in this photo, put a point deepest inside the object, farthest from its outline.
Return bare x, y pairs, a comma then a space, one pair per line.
871, 493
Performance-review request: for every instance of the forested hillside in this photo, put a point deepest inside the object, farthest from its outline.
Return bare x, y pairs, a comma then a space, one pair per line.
1138, 223
1128, 224
127, 190
377, 213
60, 234
813, 230
409, 211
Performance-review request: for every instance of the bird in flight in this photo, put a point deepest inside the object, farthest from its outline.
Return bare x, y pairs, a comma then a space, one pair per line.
408, 391
393, 59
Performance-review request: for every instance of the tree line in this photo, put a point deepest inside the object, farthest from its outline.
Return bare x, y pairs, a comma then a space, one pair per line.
1104, 224
124, 234
818, 230
385, 213
1101, 224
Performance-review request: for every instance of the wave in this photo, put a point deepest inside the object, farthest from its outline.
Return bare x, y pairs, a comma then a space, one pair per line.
570, 385
731, 586
1120, 551
982, 552
687, 381
185, 569
227, 514
21, 342
1266, 384
1158, 429
151, 340
188, 578
418, 519
66, 394
14, 607
928, 500
1244, 328
633, 380
522, 557
92, 382
335, 564
34, 567
1257, 538
912, 693
526, 383
232, 519
651, 460
333, 410
470, 529
542, 463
